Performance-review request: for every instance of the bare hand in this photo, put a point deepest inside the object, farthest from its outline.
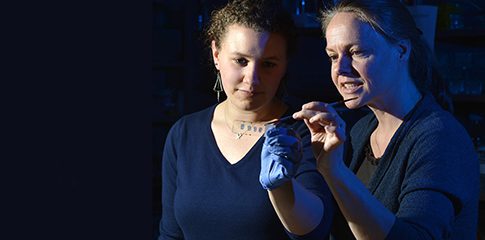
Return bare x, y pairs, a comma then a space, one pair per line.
326, 127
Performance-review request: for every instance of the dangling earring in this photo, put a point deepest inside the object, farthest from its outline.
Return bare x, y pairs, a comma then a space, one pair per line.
218, 86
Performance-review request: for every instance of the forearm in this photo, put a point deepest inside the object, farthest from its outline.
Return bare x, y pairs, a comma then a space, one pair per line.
298, 209
366, 216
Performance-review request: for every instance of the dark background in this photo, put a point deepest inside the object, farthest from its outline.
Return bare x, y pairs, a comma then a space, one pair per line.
76, 135
183, 75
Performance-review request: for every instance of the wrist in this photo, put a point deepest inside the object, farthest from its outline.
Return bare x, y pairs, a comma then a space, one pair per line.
331, 169
283, 187
331, 162
276, 182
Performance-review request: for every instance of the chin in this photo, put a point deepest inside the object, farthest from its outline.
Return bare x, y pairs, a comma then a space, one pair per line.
354, 104
249, 105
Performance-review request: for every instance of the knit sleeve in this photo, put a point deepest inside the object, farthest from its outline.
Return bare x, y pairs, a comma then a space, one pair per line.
169, 228
441, 178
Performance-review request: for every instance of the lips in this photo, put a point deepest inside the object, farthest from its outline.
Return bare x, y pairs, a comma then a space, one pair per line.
247, 93
350, 86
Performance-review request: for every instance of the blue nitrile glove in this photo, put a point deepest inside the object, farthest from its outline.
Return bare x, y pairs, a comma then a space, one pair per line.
280, 156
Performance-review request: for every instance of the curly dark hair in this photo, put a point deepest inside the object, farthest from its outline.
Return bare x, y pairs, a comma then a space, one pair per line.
259, 15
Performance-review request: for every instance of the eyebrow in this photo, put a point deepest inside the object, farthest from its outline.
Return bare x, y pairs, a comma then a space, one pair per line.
248, 56
272, 58
347, 46
240, 54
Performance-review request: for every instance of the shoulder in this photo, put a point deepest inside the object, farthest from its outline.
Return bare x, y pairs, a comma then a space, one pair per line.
438, 138
201, 115
439, 152
192, 122
432, 131
437, 142
184, 130
432, 122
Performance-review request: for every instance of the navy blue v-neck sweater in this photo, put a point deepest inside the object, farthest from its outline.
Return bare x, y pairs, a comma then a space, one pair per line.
206, 197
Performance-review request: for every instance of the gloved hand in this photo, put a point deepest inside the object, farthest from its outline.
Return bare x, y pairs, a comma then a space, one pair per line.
281, 154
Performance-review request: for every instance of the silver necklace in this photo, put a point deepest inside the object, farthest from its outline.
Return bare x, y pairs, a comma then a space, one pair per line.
244, 127
375, 142
238, 135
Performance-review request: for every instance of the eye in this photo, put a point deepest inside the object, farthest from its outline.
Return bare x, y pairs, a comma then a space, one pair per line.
241, 61
269, 64
332, 57
357, 53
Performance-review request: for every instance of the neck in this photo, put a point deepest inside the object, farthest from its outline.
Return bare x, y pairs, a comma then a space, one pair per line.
251, 123
270, 112
396, 103
391, 114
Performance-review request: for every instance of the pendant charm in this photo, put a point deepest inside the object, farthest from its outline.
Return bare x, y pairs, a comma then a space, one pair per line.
239, 135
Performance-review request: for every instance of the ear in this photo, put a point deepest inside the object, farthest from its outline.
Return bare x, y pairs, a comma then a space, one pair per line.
404, 49
215, 54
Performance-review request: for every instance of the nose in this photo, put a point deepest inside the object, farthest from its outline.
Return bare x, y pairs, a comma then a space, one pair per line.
252, 75
343, 65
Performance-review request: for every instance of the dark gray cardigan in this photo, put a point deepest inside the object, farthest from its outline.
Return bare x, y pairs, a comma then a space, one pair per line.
428, 175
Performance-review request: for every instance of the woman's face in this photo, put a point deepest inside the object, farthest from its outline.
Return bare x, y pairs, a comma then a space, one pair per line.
363, 63
251, 65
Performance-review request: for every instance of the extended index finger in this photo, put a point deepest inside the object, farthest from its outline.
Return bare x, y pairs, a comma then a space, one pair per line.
311, 109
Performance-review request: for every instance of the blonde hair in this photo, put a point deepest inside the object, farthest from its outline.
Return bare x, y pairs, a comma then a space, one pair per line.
394, 22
